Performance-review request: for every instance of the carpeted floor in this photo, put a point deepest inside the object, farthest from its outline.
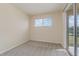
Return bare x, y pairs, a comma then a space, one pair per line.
35, 48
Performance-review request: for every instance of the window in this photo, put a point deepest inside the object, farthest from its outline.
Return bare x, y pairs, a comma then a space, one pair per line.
38, 22
43, 22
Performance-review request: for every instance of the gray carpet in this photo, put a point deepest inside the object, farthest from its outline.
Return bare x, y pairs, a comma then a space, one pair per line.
35, 48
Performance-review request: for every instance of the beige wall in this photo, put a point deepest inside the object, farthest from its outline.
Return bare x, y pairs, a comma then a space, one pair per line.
14, 27
52, 34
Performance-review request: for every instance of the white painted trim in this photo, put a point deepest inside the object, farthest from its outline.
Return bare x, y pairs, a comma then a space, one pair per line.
12, 47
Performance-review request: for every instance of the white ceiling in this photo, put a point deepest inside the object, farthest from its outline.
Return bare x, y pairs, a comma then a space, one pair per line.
39, 8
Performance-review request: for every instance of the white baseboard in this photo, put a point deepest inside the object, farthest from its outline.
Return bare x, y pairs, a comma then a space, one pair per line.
3, 51
47, 41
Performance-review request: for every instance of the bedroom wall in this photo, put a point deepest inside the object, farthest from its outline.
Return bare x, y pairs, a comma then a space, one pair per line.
53, 34
14, 27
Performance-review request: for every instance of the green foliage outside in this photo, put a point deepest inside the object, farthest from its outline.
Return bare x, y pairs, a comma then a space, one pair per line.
71, 36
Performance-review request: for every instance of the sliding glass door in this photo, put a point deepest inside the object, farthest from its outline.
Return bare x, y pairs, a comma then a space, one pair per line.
70, 29
77, 18
73, 29
71, 34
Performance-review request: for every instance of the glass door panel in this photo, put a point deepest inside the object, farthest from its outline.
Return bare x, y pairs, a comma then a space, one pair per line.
77, 17
70, 30
71, 34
